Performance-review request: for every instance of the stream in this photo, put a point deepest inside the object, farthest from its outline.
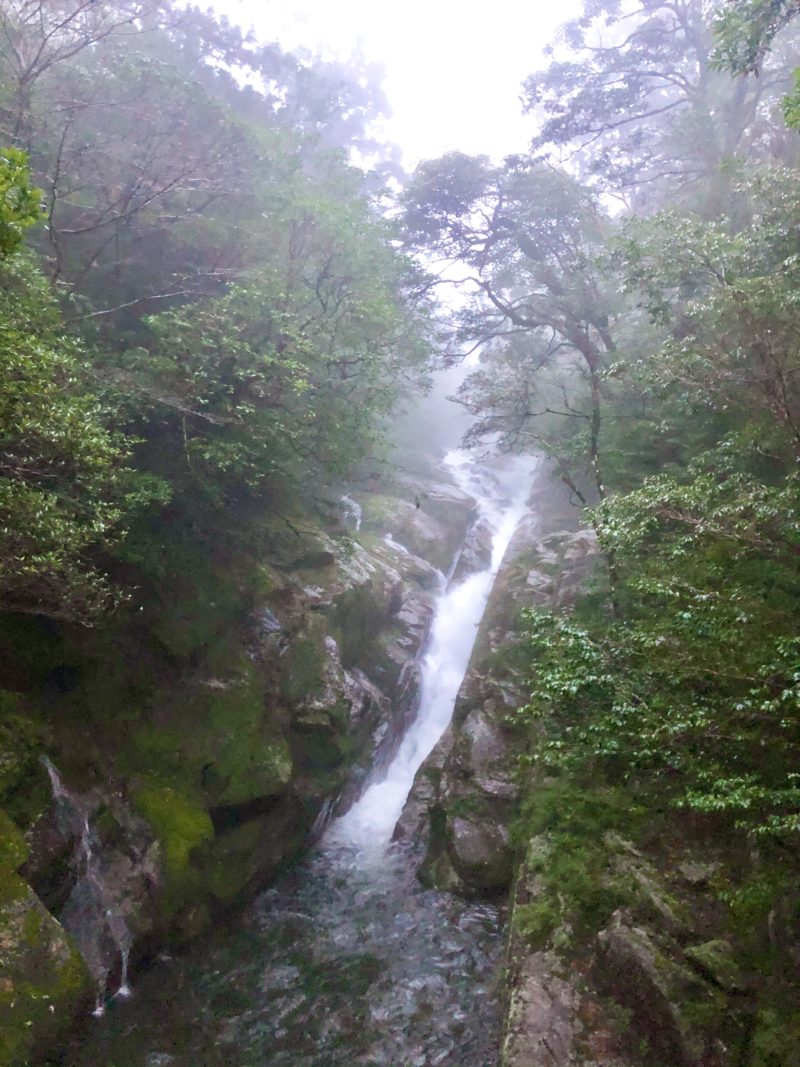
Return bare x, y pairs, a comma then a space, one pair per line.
347, 960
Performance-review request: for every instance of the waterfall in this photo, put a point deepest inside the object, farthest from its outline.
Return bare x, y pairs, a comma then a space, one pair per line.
351, 509
501, 495
90, 914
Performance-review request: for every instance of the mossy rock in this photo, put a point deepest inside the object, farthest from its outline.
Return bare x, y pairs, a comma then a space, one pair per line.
302, 666
21, 738
536, 922
14, 848
244, 756
216, 740
675, 1011
776, 1038
199, 603
232, 861
422, 534
181, 826
360, 615
43, 980
715, 960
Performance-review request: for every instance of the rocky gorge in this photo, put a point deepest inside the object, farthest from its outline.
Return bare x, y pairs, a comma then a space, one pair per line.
625, 943
203, 772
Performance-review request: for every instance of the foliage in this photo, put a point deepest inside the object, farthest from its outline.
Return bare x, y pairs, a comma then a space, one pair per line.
699, 686
246, 321
19, 203
281, 380
631, 97
64, 487
727, 293
561, 827
745, 29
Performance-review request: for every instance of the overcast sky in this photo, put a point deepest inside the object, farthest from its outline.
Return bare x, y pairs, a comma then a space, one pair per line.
453, 67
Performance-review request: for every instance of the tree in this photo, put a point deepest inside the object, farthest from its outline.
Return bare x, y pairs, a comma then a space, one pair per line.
692, 694
695, 697
726, 291
64, 486
528, 236
637, 105
281, 381
744, 31
158, 134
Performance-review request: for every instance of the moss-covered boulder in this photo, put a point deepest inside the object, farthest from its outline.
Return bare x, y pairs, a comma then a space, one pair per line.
43, 980
421, 533
674, 1009
181, 826
716, 961
215, 738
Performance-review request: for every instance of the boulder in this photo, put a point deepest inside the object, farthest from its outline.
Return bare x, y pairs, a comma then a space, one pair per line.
671, 1005
44, 982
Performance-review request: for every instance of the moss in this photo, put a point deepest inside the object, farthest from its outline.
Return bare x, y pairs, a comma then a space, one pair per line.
43, 980
12, 887
229, 866
578, 889
199, 601
537, 922
13, 846
13, 853
181, 826
776, 1039
317, 748
302, 668
359, 617
716, 961
21, 742
218, 742
249, 761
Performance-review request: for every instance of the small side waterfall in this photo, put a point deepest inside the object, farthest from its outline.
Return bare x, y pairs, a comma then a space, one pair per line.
90, 914
351, 509
502, 496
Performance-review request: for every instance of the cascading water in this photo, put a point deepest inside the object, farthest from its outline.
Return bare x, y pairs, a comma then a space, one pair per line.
502, 501
348, 961
90, 914
351, 509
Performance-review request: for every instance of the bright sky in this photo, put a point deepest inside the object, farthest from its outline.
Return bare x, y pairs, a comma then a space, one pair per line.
453, 67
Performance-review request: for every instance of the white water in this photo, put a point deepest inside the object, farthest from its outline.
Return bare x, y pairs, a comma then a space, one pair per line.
501, 496
351, 509
90, 914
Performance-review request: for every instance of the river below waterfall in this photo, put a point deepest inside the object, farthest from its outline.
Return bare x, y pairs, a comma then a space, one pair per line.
347, 960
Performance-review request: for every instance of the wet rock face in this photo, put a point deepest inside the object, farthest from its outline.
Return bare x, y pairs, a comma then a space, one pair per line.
543, 1013
428, 518
477, 792
553, 1017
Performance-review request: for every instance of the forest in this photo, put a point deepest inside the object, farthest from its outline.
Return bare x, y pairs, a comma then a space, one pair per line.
217, 290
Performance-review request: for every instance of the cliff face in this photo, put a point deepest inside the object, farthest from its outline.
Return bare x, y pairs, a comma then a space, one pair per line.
194, 751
